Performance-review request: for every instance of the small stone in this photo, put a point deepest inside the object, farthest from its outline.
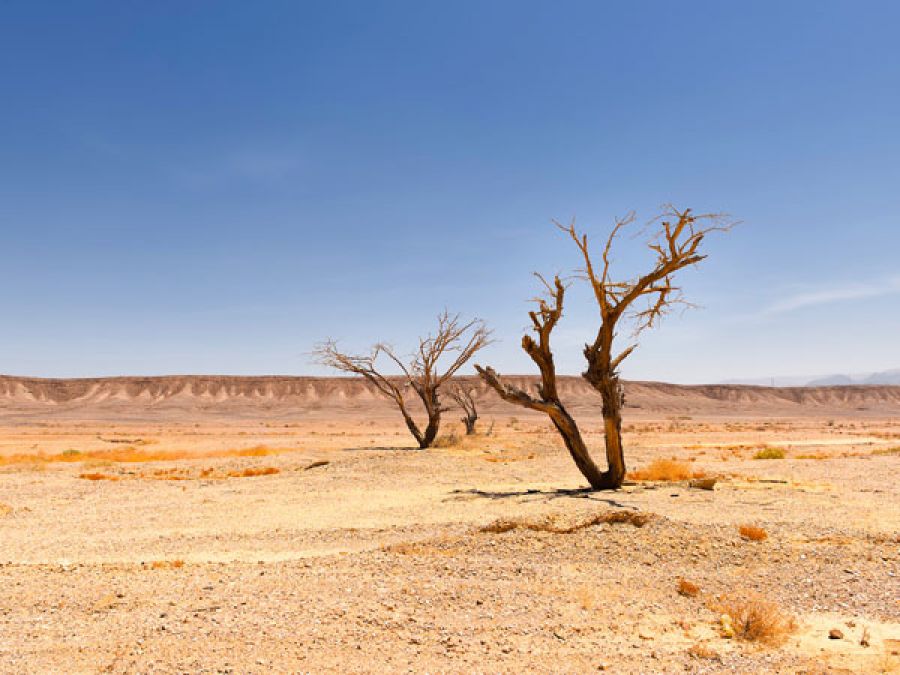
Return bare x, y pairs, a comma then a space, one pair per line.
835, 634
726, 626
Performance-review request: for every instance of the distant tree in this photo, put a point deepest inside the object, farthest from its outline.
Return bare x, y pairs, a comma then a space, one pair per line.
641, 301
435, 361
465, 399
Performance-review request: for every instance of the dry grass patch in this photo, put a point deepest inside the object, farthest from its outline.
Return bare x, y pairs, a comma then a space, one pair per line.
98, 476
166, 564
667, 470
752, 618
5, 509
176, 474
551, 524
132, 454
753, 533
450, 440
254, 471
770, 453
688, 589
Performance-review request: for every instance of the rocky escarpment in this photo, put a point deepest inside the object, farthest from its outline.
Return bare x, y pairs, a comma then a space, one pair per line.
184, 397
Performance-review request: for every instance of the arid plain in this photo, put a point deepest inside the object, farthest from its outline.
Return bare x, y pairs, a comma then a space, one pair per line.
288, 524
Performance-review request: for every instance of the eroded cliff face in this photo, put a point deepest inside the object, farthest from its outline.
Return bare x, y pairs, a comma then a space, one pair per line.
182, 397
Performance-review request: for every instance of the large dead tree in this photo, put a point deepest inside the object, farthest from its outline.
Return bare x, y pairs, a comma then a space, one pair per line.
640, 301
435, 361
465, 399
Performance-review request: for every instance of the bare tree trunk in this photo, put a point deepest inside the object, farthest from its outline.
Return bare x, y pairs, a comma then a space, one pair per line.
470, 421
431, 431
611, 393
571, 436
431, 401
413, 428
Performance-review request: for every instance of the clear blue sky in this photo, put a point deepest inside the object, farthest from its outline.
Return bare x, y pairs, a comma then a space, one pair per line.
212, 187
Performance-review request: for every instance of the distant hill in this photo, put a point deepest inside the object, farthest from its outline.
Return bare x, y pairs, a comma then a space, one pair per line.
831, 381
891, 377
186, 398
888, 377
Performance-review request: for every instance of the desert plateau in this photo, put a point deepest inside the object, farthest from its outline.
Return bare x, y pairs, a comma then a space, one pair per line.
468, 337
238, 525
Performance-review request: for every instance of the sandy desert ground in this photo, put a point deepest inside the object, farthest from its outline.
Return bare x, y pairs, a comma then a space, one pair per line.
323, 541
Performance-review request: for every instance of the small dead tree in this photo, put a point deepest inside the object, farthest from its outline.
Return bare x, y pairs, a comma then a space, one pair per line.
642, 301
465, 399
435, 361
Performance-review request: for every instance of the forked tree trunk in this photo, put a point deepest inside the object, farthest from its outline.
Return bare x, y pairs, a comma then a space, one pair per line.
413, 427
610, 389
469, 421
431, 431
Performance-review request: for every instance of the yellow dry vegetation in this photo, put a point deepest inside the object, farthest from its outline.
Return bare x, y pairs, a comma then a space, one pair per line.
132, 454
667, 470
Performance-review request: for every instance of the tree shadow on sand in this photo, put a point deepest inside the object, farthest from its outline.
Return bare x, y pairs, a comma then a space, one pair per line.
531, 495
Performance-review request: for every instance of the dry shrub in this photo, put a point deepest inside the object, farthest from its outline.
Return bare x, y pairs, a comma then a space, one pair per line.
753, 533
770, 453
5, 509
166, 564
752, 618
666, 470
97, 476
701, 651
887, 451
549, 524
450, 440
688, 589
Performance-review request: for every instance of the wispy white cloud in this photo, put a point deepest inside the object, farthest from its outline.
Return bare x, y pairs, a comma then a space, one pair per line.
257, 167
827, 295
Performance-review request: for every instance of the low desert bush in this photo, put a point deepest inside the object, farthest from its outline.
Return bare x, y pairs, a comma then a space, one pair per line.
753, 533
688, 589
666, 470
97, 476
166, 564
450, 440
770, 453
551, 525
750, 617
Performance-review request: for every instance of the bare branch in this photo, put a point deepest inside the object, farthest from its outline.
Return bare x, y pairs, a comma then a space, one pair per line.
510, 393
